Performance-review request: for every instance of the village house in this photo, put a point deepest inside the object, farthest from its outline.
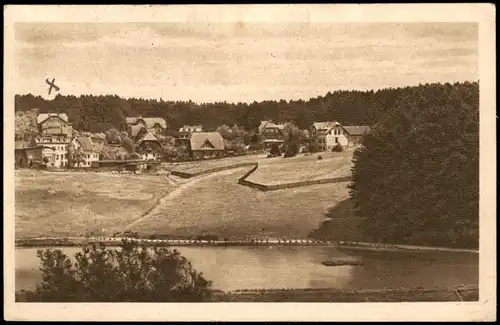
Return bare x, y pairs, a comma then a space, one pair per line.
55, 135
206, 145
28, 154
155, 125
54, 124
86, 153
147, 145
355, 133
184, 134
329, 134
271, 133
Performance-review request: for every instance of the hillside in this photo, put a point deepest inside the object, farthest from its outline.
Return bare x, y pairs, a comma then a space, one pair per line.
416, 180
64, 203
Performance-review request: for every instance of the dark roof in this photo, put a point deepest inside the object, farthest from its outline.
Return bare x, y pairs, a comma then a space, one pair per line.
269, 124
134, 130
357, 129
86, 143
206, 141
150, 121
148, 136
42, 117
324, 125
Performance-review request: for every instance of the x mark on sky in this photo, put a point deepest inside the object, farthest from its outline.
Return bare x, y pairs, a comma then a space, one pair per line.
52, 85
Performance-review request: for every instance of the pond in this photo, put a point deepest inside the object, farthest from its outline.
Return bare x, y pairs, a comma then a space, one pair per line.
232, 268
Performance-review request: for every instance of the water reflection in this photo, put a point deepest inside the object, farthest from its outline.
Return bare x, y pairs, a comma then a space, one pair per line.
234, 268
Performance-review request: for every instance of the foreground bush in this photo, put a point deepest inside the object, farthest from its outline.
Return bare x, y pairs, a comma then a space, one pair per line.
127, 274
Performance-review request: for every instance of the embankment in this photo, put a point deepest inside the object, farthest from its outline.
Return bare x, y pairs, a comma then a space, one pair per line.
209, 171
274, 187
460, 293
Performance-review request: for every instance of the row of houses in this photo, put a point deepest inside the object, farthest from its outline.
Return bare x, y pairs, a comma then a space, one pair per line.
52, 143
55, 137
326, 134
144, 132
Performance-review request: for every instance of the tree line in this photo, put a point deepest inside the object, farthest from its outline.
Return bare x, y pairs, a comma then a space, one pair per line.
416, 178
100, 113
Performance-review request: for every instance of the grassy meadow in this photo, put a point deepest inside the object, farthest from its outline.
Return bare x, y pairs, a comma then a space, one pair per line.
303, 168
216, 204
278, 170
79, 203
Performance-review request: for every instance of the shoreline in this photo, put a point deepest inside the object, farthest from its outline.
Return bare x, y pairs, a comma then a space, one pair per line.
115, 241
458, 293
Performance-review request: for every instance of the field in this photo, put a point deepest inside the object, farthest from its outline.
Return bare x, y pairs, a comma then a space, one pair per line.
216, 204
83, 203
303, 168
280, 170
79, 203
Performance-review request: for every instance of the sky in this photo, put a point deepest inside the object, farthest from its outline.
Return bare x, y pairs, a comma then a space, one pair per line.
240, 62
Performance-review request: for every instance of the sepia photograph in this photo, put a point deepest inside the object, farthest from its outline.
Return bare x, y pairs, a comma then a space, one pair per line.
209, 156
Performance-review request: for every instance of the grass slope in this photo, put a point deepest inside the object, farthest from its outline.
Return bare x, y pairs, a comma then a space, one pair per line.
78, 203
218, 205
303, 168
73, 203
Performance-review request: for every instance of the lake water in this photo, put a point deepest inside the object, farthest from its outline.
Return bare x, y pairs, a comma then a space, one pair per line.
232, 268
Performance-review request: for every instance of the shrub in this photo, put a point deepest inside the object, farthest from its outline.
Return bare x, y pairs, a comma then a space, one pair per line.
338, 148
313, 147
128, 274
275, 150
291, 150
320, 157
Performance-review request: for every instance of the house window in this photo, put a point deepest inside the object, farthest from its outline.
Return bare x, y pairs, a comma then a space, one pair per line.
336, 140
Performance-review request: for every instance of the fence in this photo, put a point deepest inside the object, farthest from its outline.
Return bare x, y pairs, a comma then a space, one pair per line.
262, 187
209, 171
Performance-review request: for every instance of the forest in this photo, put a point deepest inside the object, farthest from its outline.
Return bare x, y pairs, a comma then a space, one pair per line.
97, 114
416, 179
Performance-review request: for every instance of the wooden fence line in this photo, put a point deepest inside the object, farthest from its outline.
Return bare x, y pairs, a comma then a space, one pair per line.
209, 171
262, 187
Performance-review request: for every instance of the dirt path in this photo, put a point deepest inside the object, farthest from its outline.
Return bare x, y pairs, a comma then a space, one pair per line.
177, 192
